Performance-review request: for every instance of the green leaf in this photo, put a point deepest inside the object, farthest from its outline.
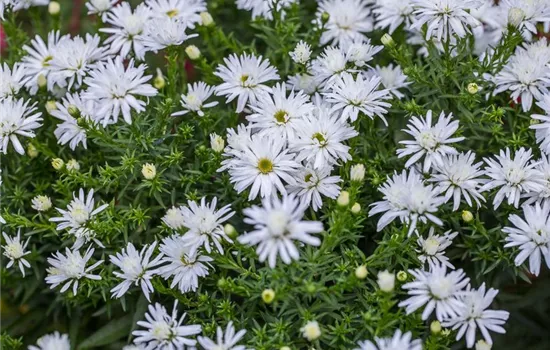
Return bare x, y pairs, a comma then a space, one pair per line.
109, 333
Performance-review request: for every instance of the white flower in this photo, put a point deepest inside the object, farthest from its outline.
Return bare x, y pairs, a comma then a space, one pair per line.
164, 32
70, 268
543, 195
361, 94
100, 7
301, 53
224, 340
184, 265
277, 224
237, 141
194, 100
14, 250
216, 142
457, 176
53, 341
531, 235
277, 114
392, 13
174, 218
329, 65
513, 176
542, 129
264, 8
430, 142
474, 314
187, 11
11, 79
204, 224
127, 31
311, 330
79, 213
17, 118
41, 203
311, 184
357, 173
164, 331
136, 269
385, 281
261, 165
392, 79
243, 78
348, 21
432, 249
303, 81
529, 14
444, 18
115, 89
435, 289
398, 341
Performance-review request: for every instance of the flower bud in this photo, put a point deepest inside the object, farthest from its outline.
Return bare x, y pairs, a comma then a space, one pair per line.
51, 106
216, 142
357, 173
58, 163
387, 40
325, 17
435, 327
361, 272
230, 230
32, 151
206, 19
149, 171
193, 52
159, 81
268, 295
386, 281
483, 345
41, 203
41, 80
515, 16
356, 208
73, 111
467, 216
285, 348
54, 8
72, 165
343, 199
402, 276
473, 88
311, 331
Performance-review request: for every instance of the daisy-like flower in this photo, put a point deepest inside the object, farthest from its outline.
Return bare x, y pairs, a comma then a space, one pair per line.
100, 8
312, 184
320, 138
115, 89
361, 94
277, 224
457, 176
135, 269
543, 195
397, 341
348, 21
184, 265
392, 79
15, 251
330, 65
70, 268
41, 203
542, 129
474, 314
17, 118
187, 11
164, 331
359, 53
11, 79
305, 82
301, 53
127, 31
277, 114
432, 249
392, 13
224, 340
79, 213
161, 33
243, 78
531, 235
513, 176
174, 218
53, 341
436, 290
263, 165
264, 8
430, 142
74, 112
527, 14
445, 18
238, 141
204, 224
194, 100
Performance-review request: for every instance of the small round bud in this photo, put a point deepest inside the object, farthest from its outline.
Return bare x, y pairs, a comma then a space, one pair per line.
435, 327
387, 40
386, 281
356, 208
310, 288
32, 151
41, 203
222, 282
193, 52
159, 81
473, 88
73, 111
311, 331
58, 163
467, 216
230, 230
268, 295
361, 272
515, 16
149, 171
72, 165
54, 8
216, 142
206, 19
41, 80
325, 17
285, 348
357, 173
51, 106
402, 276
343, 199
483, 345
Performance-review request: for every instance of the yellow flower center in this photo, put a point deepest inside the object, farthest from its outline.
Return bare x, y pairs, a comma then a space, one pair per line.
265, 166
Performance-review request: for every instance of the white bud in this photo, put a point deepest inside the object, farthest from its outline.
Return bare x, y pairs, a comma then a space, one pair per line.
51, 106
229, 230
72, 165
159, 81
193, 52
386, 281
357, 172
301, 53
361, 272
32, 151
216, 142
54, 8
387, 40
58, 163
343, 199
356, 208
467, 215
516, 16
149, 171
41, 203
41, 80
483, 345
311, 331
473, 88
206, 19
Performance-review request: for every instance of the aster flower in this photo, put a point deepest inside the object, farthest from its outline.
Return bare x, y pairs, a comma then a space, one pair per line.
513, 176
237, 142
243, 78
15, 251
100, 8
436, 290
391, 14
204, 224
186, 11
224, 340
17, 118
527, 14
359, 53
305, 82
160, 33
11, 79
301, 53
41, 203
185, 265
397, 341
474, 314
348, 21
174, 218
164, 331
263, 165
277, 114
457, 176
392, 79
430, 142
194, 100
53, 341
277, 224
531, 235
264, 8
68, 269
312, 184
329, 65
116, 88
135, 269
542, 129
432, 249
361, 94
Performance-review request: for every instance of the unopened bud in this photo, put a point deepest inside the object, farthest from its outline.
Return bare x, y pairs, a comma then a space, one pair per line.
268, 295
386, 281
159, 81
387, 40
193, 52
54, 8
58, 163
311, 331
467, 216
32, 151
483, 345
402, 276
73, 111
51, 106
516, 16
41, 80
325, 17
356, 208
361, 272
435, 327
72, 165
206, 19
216, 142
149, 171
357, 172
343, 199
230, 231
473, 88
